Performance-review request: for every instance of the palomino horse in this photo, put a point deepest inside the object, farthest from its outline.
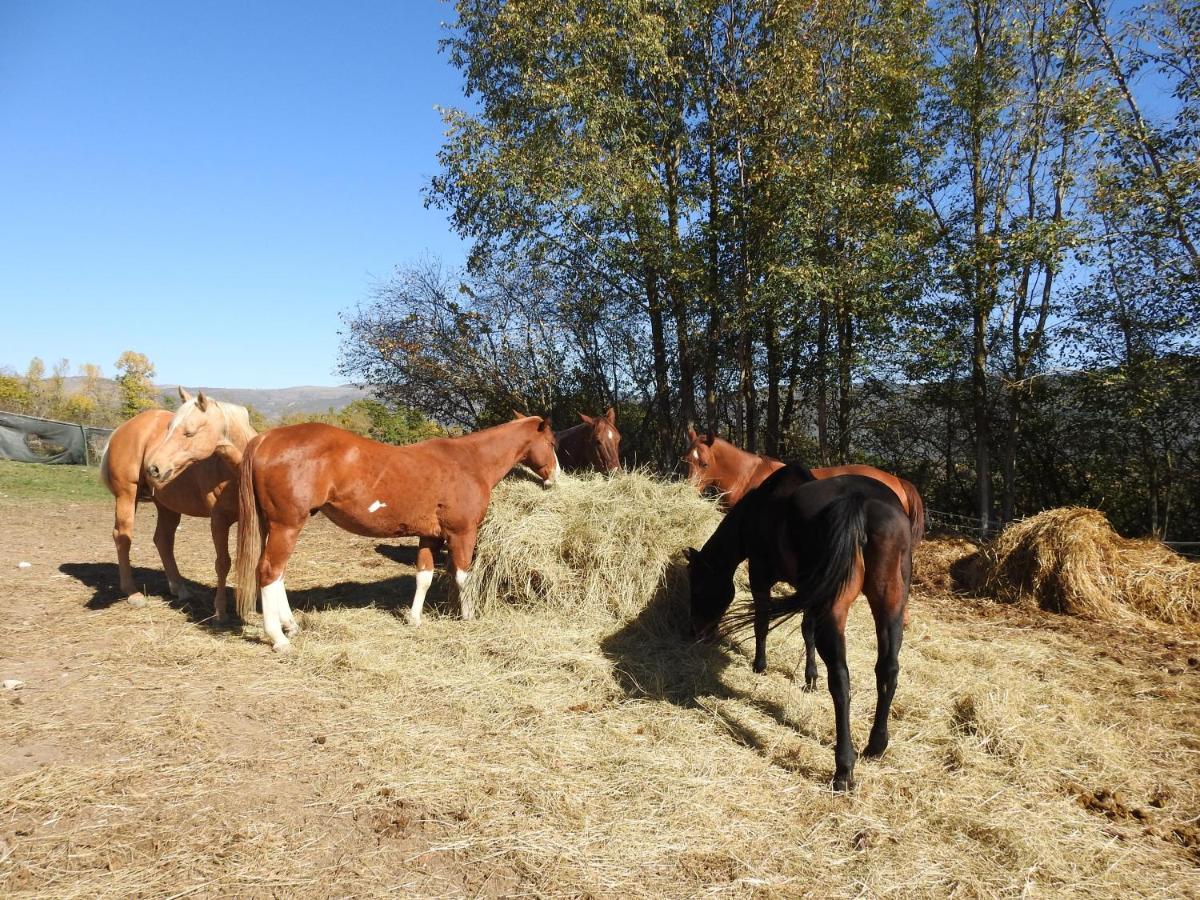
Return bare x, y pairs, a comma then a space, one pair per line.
593, 444
186, 464
437, 490
830, 539
733, 471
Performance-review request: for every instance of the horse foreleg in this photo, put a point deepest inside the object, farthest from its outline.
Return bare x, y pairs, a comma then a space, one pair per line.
164, 540
808, 627
425, 550
762, 624
123, 538
462, 550
271, 567
219, 525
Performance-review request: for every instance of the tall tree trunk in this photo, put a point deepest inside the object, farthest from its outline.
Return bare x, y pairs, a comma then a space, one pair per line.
749, 394
823, 379
658, 344
678, 299
774, 363
845, 371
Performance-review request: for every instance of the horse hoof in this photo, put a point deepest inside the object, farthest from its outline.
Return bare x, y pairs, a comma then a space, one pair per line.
283, 648
181, 592
412, 620
291, 629
843, 785
137, 601
760, 668
809, 686
875, 748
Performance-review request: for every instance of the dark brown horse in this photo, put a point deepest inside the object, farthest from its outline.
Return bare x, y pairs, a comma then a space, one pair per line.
437, 490
830, 539
594, 444
733, 471
204, 441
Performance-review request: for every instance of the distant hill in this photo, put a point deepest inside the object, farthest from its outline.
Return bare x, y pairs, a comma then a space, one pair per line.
271, 402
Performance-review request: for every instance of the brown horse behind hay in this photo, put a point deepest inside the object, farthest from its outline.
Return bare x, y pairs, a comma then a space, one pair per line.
186, 463
733, 471
593, 445
437, 490
830, 539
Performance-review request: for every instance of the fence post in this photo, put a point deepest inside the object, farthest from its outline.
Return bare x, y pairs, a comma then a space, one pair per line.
87, 451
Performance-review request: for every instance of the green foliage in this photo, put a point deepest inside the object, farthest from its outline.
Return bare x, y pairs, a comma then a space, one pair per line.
135, 372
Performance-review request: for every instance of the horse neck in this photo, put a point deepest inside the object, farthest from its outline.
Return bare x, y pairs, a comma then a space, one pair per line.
499, 449
237, 425
725, 550
738, 466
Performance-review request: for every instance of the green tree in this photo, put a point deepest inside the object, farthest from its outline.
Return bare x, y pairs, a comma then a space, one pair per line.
134, 384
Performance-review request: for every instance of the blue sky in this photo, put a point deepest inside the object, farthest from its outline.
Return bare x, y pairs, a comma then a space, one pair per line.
211, 183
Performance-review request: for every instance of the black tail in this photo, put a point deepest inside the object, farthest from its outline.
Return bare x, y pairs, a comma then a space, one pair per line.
833, 550
916, 512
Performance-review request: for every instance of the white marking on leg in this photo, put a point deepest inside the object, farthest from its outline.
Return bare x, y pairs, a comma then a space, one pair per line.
274, 601
461, 577
290, 626
376, 505
424, 579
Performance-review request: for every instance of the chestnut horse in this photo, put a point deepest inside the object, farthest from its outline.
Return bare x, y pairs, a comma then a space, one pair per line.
594, 444
186, 464
830, 539
715, 461
437, 490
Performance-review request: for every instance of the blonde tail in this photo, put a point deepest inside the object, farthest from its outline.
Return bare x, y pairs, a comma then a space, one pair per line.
251, 534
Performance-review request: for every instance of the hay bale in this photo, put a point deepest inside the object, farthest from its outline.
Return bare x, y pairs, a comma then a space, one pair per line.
591, 545
1071, 561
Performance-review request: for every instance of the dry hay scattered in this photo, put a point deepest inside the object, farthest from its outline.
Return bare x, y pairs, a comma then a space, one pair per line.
937, 559
549, 749
593, 544
1071, 561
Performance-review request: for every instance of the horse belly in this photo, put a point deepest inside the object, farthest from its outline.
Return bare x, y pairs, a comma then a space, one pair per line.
378, 519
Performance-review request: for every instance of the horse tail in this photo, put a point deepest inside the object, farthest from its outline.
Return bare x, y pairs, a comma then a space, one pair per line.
251, 533
916, 512
834, 542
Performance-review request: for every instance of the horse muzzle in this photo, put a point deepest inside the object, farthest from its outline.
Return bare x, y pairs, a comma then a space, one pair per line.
158, 476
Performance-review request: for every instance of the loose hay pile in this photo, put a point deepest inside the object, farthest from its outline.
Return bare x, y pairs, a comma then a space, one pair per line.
592, 544
1071, 561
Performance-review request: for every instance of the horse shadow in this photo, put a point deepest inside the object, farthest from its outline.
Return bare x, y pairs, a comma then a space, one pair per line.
394, 594
104, 578
655, 657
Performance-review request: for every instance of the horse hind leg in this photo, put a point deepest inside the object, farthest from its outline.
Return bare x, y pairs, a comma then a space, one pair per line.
462, 550
123, 516
281, 541
888, 595
164, 540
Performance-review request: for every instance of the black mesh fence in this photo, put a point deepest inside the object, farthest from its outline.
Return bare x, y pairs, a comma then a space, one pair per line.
30, 439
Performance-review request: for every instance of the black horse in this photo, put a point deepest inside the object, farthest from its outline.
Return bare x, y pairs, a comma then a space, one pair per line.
830, 539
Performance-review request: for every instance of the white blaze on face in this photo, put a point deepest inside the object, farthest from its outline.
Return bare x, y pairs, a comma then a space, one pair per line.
696, 455
611, 436
553, 472
377, 505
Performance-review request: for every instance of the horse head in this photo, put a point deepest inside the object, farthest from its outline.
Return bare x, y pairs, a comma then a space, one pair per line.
711, 594
200, 428
602, 441
700, 458
539, 453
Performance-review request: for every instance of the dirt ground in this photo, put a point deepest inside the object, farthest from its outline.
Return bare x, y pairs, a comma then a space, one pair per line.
147, 754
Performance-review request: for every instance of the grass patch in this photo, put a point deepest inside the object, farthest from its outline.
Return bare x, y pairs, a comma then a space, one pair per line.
36, 481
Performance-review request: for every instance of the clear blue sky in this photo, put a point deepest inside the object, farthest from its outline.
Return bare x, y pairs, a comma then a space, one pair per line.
211, 183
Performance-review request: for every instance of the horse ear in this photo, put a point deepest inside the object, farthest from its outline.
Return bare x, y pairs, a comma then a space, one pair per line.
710, 437
543, 424
201, 402
690, 553
184, 395
587, 420
692, 434
517, 415
611, 415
